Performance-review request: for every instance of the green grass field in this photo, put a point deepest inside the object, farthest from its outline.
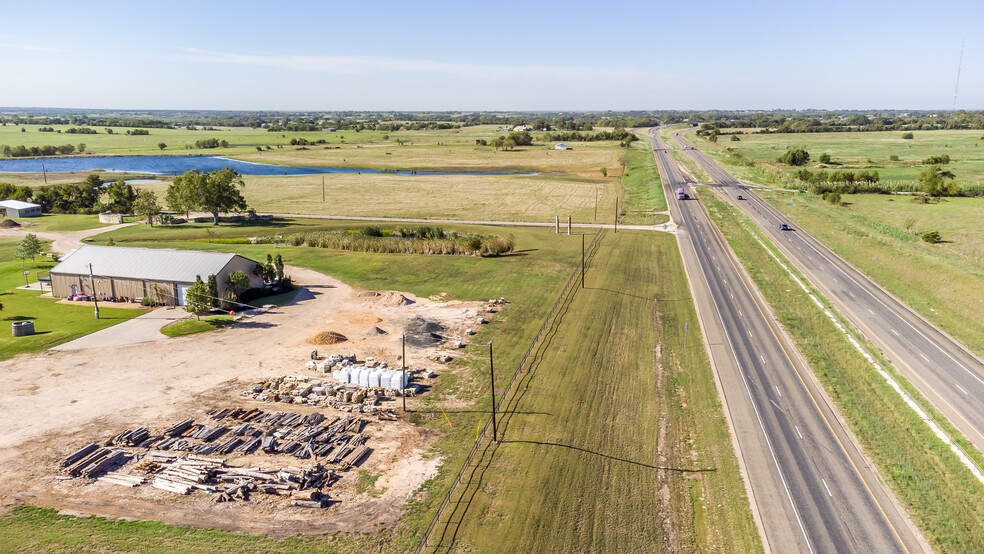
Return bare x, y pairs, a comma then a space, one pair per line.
566, 182
641, 190
30, 529
867, 151
940, 494
61, 222
198, 325
54, 323
481, 198
614, 440
437, 149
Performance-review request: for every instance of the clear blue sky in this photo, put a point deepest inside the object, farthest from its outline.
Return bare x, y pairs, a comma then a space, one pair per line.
500, 55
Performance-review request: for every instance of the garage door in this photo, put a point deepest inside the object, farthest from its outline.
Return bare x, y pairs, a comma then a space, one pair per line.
182, 294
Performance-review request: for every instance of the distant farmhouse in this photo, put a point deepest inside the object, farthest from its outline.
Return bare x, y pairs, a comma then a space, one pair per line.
164, 275
16, 208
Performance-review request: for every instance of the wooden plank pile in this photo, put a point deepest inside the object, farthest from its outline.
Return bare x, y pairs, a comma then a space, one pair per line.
92, 462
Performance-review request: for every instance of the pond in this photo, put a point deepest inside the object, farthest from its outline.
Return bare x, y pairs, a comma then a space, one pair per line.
177, 165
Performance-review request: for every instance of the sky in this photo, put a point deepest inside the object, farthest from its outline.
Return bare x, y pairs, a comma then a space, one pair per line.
503, 55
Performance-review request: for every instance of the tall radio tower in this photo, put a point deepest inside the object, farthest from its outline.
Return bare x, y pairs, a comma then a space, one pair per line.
957, 86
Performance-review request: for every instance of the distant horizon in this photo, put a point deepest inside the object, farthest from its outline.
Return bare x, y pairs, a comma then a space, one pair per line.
513, 56
7, 110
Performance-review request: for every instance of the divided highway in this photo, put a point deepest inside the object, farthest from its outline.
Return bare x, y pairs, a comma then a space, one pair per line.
810, 487
945, 372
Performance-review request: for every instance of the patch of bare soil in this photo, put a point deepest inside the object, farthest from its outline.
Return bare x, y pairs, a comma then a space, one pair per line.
57, 401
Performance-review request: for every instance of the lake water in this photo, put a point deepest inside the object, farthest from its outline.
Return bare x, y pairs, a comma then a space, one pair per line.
177, 165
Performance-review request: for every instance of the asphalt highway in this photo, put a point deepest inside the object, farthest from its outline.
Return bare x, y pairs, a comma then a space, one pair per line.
945, 372
811, 489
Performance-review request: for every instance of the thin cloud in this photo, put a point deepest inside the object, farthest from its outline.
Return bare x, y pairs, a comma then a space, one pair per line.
353, 65
35, 48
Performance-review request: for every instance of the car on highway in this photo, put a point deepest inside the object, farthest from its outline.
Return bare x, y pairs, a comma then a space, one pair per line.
784, 227
740, 197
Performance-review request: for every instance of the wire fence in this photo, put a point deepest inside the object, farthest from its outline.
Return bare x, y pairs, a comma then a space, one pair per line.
505, 393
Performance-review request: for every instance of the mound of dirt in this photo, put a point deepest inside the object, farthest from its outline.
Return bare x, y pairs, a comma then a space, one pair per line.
388, 298
9, 224
423, 333
373, 332
327, 337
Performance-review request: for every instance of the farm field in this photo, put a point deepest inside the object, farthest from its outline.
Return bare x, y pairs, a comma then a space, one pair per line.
450, 149
879, 235
864, 151
615, 439
481, 198
929, 480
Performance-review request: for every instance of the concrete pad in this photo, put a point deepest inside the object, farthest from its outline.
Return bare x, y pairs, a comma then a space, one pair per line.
145, 328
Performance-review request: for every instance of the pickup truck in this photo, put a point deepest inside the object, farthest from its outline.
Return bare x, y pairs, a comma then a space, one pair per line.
784, 227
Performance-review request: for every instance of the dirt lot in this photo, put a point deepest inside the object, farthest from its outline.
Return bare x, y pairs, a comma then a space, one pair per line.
57, 401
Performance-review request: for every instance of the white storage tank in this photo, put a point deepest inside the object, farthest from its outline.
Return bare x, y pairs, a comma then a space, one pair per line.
397, 380
374, 378
344, 376
364, 377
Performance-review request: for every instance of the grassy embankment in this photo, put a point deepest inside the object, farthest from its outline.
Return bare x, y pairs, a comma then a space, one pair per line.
850, 152
641, 190
615, 439
941, 495
530, 280
198, 325
54, 323
878, 235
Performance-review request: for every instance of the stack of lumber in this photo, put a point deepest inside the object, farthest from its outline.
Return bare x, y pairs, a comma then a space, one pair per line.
92, 462
124, 480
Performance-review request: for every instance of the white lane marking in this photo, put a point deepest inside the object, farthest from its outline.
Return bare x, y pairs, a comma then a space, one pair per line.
758, 416
798, 432
872, 312
761, 357
739, 314
893, 311
777, 390
826, 487
852, 294
732, 296
894, 332
961, 389
923, 356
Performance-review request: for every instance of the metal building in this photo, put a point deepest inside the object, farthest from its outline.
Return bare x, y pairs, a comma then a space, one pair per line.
163, 275
16, 208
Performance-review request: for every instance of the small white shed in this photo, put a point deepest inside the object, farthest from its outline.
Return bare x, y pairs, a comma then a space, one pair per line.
560, 146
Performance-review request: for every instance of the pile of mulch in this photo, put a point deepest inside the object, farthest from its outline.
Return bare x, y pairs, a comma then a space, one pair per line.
424, 333
9, 224
327, 337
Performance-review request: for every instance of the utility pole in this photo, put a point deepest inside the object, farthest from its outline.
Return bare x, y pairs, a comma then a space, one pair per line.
582, 260
95, 300
495, 430
616, 214
403, 388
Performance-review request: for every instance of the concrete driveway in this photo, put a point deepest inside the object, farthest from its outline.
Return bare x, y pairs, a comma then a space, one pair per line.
145, 328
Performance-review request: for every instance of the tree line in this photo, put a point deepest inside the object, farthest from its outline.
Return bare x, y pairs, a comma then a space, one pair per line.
22, 151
